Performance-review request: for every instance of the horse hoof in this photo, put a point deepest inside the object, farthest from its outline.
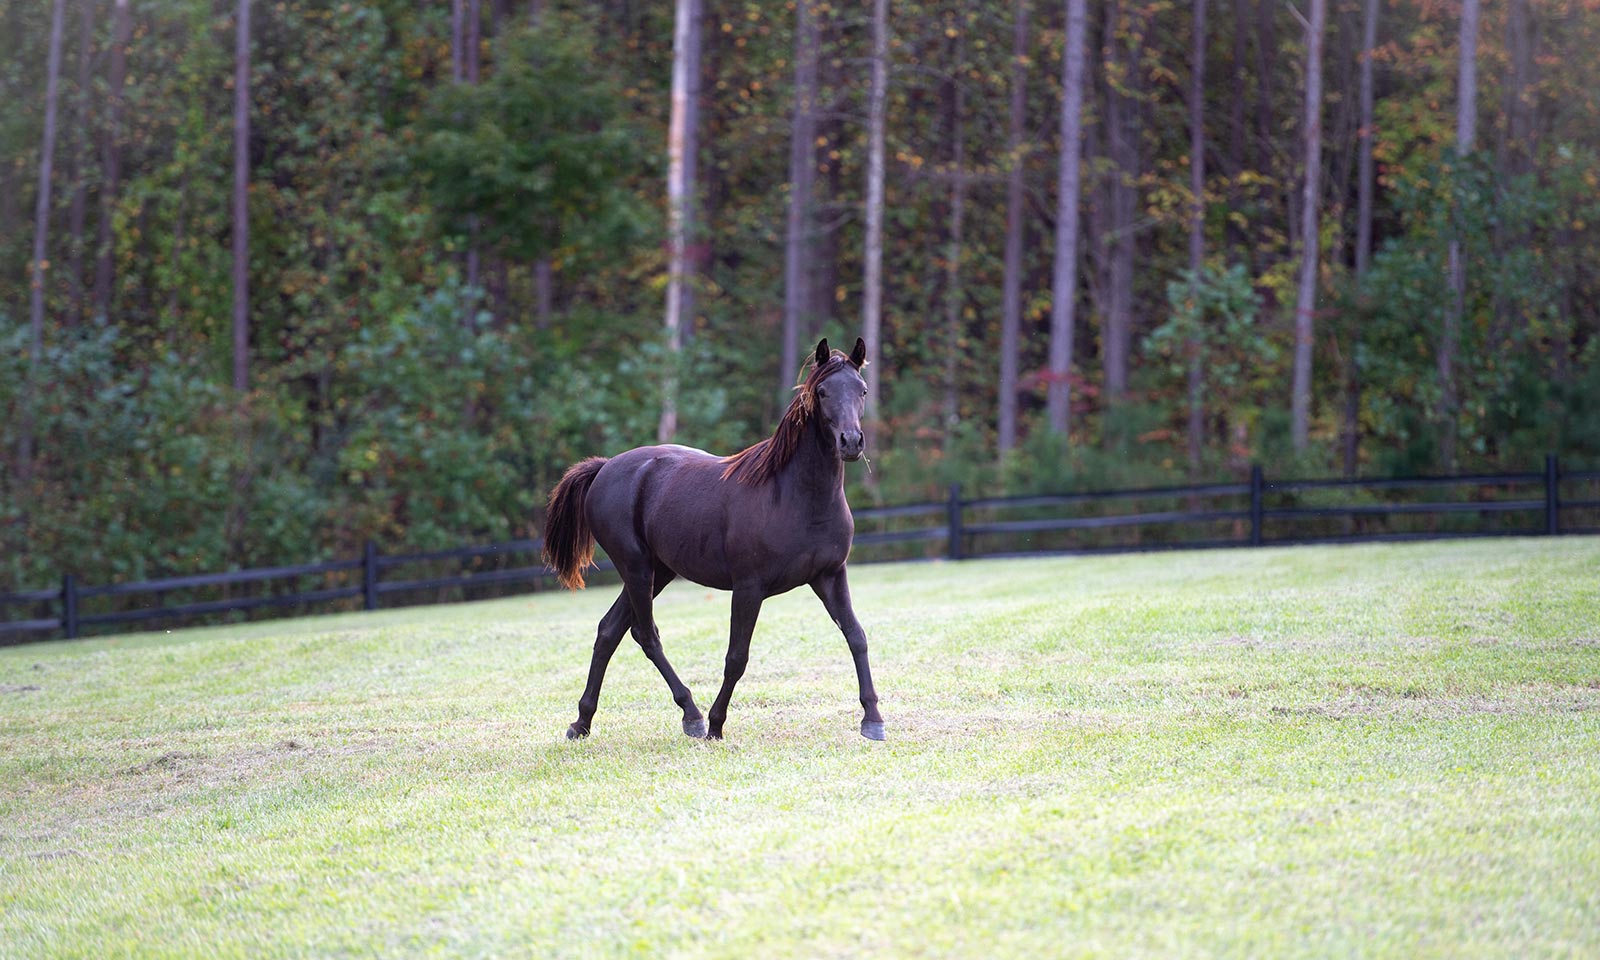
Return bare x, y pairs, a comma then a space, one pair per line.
575, 732
695, 728
872, 729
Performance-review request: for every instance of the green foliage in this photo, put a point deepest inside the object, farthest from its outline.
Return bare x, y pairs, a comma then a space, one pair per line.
539, 151
1216, 311
142, 477
389, 401
1513, 335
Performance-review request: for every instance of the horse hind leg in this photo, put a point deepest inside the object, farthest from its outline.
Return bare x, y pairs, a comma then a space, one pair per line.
641, 592
607, 637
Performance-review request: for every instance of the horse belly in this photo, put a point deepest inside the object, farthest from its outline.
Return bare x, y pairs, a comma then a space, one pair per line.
694, 552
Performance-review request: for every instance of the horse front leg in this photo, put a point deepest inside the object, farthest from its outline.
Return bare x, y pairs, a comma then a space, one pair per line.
833, 589
746, 607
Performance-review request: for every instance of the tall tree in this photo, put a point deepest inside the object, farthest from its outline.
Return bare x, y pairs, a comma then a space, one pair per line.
111, 154
872, 300
474, 41
1011, 310
1365, 185
458, 40
1125, 39
1466, 134
802, 177
1197, 238
241, 199
1310, 245
82, 150
41, 235
1064, 276
472, 49
682, 144
955, 231
1518, 128
543, 274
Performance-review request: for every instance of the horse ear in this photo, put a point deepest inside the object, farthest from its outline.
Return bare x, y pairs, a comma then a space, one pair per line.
822, 351
858, 356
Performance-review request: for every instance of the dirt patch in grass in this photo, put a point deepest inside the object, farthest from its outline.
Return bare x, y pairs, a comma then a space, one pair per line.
1416, 703
169, 782
18, 687
172, 760
57, 854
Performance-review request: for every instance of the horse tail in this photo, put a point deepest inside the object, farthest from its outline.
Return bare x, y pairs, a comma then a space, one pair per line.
568, 542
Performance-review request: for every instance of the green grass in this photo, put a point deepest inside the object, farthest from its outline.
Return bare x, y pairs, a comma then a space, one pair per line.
1336, 751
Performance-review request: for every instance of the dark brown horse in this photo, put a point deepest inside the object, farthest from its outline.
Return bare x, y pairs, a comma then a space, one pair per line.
759, 523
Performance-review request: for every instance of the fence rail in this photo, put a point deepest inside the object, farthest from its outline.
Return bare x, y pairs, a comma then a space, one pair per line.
1256, 512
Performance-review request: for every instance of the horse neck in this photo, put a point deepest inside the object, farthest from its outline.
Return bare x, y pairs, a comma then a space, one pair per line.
816, 470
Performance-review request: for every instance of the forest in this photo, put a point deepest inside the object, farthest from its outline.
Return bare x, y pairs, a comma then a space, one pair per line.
280, 278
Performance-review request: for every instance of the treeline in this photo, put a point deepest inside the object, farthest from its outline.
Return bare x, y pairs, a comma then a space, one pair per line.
1090, 245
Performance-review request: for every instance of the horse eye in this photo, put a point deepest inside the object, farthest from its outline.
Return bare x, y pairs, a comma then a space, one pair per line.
822, 394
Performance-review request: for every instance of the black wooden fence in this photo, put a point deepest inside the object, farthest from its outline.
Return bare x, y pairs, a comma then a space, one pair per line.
1257, 513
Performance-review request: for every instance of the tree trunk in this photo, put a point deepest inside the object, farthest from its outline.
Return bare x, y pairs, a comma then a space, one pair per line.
1197, 241
1467, 83
543, 292
111, 156
81, 152
1466, 134
1234, 238
1519, 112
1122, 131
1365, 182
955, 245
802, 176
1514, 159
1064, 275
1310, 246
1264, 14
1011, 315
872, 294
681, 146
458, 40
822, 283
543, 280
472, 41
1365, 185
41, 239
694, 232
241, 198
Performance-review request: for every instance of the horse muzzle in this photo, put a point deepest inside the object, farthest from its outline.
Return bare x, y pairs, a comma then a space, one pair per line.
851, 444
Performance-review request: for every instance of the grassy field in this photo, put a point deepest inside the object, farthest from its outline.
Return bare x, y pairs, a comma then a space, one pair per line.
1376, 751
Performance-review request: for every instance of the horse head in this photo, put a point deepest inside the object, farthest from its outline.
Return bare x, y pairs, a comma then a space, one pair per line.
838, 395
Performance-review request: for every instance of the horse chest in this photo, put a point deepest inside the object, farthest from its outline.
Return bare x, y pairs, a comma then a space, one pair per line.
825, 545
783, 549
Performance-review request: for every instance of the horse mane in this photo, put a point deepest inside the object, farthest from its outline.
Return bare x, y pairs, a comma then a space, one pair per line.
760, 462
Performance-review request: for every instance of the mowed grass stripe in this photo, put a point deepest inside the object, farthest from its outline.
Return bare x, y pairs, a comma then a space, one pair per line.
1376, 750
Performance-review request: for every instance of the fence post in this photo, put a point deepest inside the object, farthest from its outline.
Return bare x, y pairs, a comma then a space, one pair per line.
369, 575
1552, 495
69, 606
1256, 485
953, 521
